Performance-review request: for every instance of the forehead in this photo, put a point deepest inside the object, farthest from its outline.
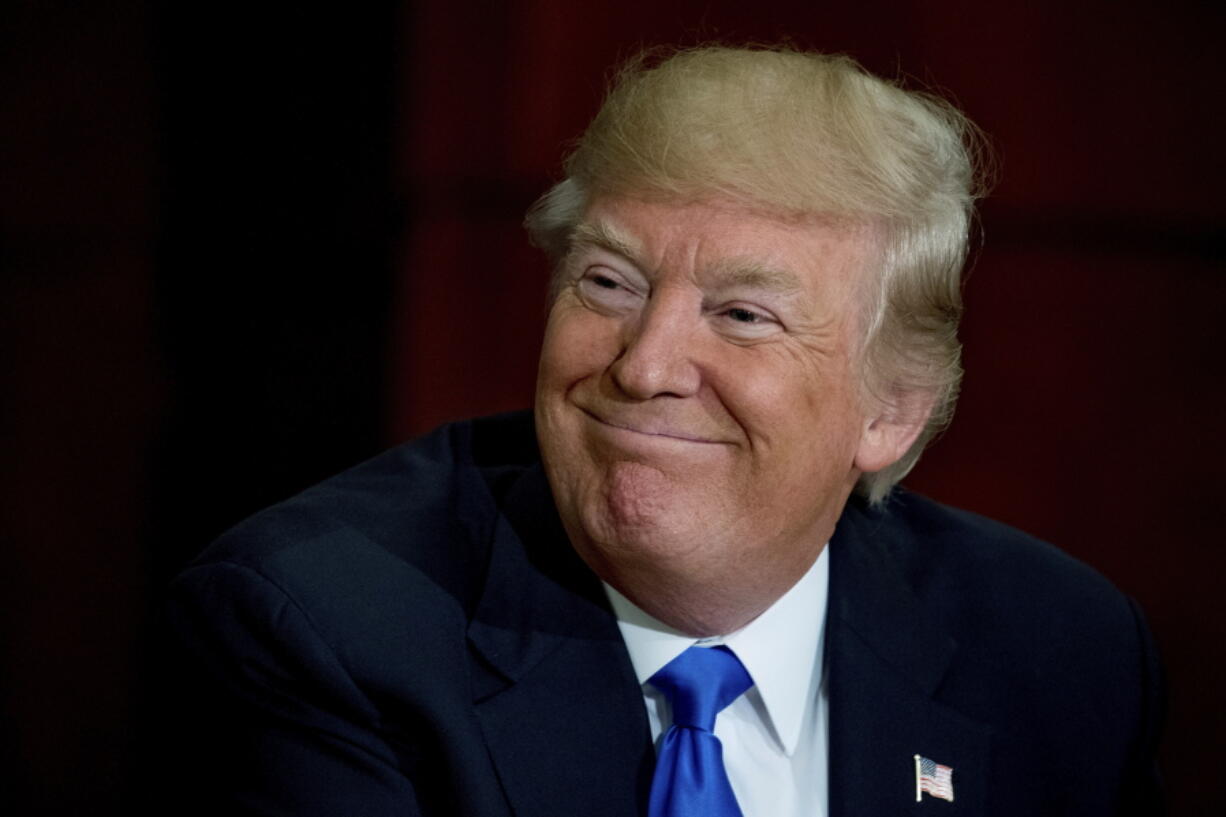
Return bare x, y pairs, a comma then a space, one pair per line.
720, 240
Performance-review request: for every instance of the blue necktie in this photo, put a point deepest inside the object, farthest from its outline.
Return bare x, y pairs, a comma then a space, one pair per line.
690, 780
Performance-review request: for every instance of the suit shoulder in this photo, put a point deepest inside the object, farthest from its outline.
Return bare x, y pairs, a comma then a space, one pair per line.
996, 586
424, 506
1048, 650
928, 537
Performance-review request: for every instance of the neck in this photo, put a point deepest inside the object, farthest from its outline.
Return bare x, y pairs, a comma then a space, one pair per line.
706, 606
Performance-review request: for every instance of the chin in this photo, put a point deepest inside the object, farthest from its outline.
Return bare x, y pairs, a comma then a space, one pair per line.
638, 495
642, 513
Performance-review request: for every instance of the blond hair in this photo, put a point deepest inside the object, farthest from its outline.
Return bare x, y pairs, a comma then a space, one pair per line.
799, 134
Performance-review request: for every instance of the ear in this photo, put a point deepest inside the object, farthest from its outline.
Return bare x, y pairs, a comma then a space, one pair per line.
888, 435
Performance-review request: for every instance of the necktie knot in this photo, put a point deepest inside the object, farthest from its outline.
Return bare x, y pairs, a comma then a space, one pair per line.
690, 779
700, 683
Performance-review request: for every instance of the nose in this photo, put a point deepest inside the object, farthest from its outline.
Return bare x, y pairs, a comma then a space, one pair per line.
657, 356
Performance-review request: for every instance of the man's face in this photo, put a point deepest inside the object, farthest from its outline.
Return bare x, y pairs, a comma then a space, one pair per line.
697, 405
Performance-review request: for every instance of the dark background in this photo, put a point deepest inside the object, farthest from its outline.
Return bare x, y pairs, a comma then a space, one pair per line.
245, 246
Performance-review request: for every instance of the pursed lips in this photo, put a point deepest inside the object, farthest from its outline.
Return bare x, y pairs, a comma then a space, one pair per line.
651, 430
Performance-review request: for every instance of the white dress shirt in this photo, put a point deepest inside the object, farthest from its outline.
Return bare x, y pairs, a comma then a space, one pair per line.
775, 736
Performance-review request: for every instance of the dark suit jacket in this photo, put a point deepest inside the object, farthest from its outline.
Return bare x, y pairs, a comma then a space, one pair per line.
417, 636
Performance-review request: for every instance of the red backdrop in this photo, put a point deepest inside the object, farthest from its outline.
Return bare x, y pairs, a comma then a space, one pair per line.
195, 203
1092, 408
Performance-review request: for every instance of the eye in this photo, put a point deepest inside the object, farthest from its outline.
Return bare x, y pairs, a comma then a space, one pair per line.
603, 281
605, 290
741, 315
746, 323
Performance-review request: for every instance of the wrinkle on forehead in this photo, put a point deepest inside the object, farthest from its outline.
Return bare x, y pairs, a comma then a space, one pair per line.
601, 232
733, 270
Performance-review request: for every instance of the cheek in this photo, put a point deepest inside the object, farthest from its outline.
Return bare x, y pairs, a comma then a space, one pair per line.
769, 394
798, 416
578, 344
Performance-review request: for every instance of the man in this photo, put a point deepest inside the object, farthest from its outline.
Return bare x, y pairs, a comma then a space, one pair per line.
687, 584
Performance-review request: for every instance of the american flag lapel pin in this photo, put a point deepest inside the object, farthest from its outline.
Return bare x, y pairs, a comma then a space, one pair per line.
933, 778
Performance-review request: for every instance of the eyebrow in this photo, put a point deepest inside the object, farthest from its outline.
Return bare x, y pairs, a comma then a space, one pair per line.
728, 273
605, 236
736, 272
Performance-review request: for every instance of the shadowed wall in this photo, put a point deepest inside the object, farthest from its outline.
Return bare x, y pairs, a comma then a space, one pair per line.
243, 249
1095, 311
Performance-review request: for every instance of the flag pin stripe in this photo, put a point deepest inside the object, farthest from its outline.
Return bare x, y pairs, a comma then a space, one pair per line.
934, 778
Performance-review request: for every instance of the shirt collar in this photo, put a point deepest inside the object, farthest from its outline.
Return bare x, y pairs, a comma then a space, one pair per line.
781, 648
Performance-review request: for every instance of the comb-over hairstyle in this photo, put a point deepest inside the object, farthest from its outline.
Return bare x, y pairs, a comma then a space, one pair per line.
799, 135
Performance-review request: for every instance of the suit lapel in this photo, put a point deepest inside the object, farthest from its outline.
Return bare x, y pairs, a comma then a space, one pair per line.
556, 696
885, 659
562, 711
